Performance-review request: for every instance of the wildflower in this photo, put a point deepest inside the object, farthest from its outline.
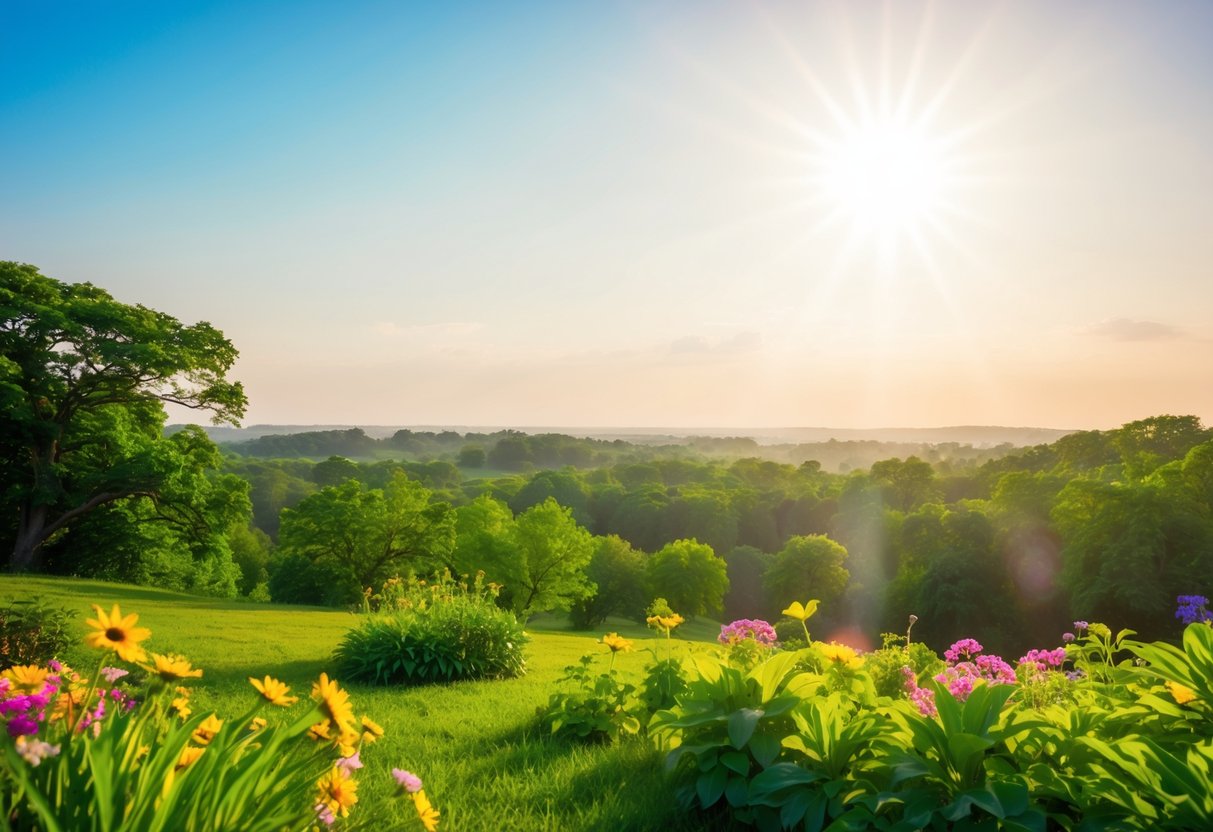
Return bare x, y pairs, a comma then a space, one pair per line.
182, 706
922, 698
113, 674
347, 744
56, 666
172, 668
189, 755
338, 792
22, 725
350, 764
994, 670
320, 731
207, 730
275, 692
1182, 693
967, 648
257, 723
334, 702
425, 811
801, 612
1044, 659
324, 814
371, 730
756, 629
114, 632
1068, 638
1081, 625
840, 654
407, 780
1076, 675
665, 623
35, 751
1192, 609
26, 677
617, 643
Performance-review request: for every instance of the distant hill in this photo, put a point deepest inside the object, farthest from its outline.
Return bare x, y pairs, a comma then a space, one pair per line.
978, 436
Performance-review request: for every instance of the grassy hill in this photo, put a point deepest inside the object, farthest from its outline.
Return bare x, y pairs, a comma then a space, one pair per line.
485, 764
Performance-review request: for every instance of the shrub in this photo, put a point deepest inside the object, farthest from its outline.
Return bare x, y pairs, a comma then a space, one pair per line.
596, 710
33, 633
438, 632
886, 663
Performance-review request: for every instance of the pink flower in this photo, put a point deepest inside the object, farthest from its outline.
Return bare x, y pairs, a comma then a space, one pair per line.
325, 814
351, 763
113, 674
410, 782
966, 647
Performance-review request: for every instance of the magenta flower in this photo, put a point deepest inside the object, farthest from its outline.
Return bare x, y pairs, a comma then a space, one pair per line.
1081, 625
922, 698
407, 780
966, 647
22, 725
743, 628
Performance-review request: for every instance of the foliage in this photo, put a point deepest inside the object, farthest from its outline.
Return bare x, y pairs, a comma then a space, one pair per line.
885, 664
618, 574
596, 709
690, 575
33, 632
82, 379
807, 566
552, 552
434, 632
368, 535
93, 753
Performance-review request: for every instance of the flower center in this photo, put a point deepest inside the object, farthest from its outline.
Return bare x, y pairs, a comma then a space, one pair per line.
115, 634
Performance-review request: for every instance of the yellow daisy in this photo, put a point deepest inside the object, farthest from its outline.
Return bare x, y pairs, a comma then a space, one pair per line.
25, 678
425, 810
320, 731
334, 702
275, 692
206, 731
114, 632
840, 654
616, 643
182, 706
257, 723
665, 623
171, 668
371, 730
338, 792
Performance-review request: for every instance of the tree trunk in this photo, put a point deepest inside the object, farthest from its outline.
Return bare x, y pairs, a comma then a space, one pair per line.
31, 528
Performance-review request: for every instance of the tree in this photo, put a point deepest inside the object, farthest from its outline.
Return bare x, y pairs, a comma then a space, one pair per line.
746, 597
807, 567
82, 382
484, 530
690, 576
471, 456
552, 552
618, 573
334, 471
371, 535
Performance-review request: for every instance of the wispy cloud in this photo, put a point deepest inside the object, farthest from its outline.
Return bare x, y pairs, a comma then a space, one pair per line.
1125, 329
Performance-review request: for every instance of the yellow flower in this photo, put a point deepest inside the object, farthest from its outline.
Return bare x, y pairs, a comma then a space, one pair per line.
1182, 693
25, 678
802, 612
347, 744
665, 623
182, 706
113, 632
840, 654
257, 723
275, 692
337, 792
425, 810
188, 755
206, 732
334, 702
371, 730
616, 643
172, 668
320, 731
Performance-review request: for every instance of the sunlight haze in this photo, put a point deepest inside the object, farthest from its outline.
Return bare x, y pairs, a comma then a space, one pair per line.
634, 213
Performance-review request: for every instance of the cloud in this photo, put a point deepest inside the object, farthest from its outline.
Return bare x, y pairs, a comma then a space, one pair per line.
739, 342
1124, 329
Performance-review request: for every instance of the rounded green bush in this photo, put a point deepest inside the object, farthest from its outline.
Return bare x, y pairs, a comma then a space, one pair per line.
458, 637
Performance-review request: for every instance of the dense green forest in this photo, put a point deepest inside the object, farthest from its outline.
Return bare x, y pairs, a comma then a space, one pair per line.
1109, 525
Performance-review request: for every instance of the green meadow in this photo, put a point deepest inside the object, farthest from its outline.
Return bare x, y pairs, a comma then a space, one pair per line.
477, 745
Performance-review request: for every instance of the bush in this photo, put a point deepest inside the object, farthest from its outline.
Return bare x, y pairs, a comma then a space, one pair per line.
32, 633
440, 632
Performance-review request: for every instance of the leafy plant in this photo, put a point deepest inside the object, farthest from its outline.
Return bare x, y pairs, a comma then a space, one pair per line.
596, 710
437, 632
32, 632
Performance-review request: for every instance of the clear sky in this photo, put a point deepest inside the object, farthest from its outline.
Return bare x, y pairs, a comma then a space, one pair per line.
638, 213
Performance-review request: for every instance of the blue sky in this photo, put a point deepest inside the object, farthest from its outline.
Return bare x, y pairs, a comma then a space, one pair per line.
614, 213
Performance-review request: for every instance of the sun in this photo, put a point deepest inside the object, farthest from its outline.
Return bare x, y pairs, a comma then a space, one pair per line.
886, 176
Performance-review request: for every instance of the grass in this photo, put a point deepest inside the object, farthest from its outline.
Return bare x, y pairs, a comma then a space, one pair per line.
477, 745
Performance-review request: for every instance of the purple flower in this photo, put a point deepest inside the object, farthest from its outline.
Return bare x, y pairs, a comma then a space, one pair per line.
1045, 658
407, 780
324, 814
1192, 609
351, 763
1068, 638
744, 628
21, 725
966, 647
1075, 675
54, 665
922, 698
1081, 625
113, 674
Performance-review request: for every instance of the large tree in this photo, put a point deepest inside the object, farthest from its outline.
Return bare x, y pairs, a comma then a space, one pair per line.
690, 576
82, 382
